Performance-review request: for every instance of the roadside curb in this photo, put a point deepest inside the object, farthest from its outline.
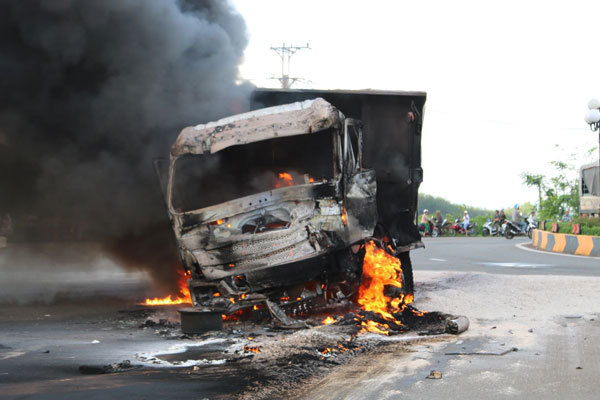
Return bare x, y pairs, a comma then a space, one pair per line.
582, 245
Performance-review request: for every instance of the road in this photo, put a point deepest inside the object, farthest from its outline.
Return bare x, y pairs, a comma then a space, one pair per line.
498, 256
546, 306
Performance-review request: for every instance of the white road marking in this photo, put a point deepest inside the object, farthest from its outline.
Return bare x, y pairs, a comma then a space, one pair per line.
513, 264
11, 354
438, 259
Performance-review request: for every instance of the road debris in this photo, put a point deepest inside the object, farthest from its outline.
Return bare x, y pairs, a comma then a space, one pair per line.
433, 374
457, 325
123, 366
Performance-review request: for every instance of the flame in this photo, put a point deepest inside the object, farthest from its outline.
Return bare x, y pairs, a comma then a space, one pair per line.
184, 296
381, 269
251, 349
287, 177
232, 317
375, 327
329, 320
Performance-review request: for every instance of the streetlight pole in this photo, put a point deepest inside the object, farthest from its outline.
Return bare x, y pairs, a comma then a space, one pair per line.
592, 117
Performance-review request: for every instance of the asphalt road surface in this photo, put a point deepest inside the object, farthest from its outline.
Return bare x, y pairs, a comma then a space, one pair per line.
499, 256
546, 306
534, 334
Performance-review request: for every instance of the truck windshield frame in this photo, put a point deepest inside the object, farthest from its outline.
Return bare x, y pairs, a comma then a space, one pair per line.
262, 166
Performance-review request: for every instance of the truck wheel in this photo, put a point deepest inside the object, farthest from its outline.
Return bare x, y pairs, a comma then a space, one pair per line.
408, 283
485, 232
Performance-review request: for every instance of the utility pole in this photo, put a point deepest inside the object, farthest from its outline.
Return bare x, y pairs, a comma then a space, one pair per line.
286, 53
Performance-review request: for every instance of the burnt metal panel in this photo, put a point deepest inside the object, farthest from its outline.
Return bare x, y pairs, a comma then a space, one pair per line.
392, 124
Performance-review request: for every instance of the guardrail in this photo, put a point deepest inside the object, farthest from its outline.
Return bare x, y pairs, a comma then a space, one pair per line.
583, 245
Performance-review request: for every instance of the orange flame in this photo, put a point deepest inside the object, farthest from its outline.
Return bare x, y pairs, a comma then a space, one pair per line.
380, 269
251, 349
184, 296
328, 320
287, 177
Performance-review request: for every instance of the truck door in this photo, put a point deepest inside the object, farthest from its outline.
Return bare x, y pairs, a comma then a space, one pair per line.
360, 186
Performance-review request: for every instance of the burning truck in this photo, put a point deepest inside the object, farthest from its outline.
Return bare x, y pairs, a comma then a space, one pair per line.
272, 209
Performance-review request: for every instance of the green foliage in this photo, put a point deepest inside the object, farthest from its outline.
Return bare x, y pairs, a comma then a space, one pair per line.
589, 226
590, 230
480, 220
450, 210
556, 193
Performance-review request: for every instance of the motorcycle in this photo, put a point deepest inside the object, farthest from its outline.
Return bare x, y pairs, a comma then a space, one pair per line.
513, 229
427, 229
531, 225
490, 228
439, 230
434, 230
458, 228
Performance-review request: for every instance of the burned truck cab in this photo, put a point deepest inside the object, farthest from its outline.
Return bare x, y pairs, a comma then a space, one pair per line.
270, 208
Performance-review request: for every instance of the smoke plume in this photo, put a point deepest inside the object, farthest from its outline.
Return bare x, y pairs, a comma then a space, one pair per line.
91, 92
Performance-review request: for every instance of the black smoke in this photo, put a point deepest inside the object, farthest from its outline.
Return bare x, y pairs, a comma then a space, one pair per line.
90, 93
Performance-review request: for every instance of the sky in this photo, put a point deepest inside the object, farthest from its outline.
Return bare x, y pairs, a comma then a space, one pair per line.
507, 82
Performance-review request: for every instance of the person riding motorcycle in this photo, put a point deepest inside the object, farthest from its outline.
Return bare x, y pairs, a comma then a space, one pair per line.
517, 218
531, 218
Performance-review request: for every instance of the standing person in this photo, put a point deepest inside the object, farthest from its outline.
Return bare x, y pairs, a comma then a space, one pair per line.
426, 221
439, 221
496, 221
502, 221
517, 218
465, 223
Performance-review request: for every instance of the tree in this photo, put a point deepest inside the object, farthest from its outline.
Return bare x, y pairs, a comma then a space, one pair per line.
534, 180
556, 194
